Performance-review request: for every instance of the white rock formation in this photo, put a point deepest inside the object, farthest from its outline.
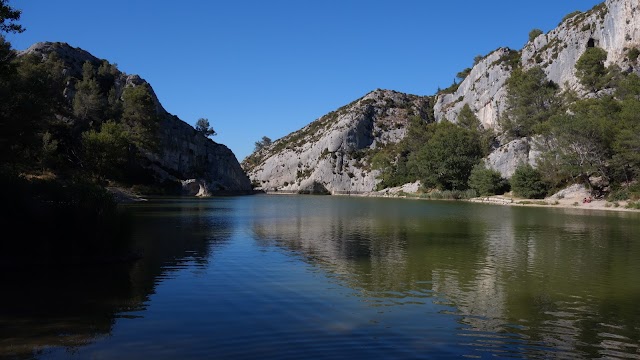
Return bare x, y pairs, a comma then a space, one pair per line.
612, 26
331, 154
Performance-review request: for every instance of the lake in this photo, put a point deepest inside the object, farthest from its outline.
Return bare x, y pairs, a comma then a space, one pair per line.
289, 277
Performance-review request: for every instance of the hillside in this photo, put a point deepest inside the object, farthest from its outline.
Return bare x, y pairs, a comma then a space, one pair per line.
332, 154
336, 152
182, 155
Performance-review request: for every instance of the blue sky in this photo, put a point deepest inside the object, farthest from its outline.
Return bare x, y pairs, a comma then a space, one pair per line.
257, 68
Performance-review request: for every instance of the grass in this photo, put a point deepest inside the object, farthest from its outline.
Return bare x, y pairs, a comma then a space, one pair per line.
442, 195
534, 202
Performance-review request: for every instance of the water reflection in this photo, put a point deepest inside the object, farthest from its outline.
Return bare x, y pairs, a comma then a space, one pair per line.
520, 281
47, 307
325, 277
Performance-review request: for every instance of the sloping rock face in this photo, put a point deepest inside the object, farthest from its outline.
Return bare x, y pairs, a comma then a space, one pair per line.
483, 89
184, 153
612, 26
331, 154
509, 156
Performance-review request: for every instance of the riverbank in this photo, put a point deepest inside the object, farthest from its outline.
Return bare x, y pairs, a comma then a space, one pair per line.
572, 197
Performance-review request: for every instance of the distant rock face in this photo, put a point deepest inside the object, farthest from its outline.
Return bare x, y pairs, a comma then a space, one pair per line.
331, 154
483, 89
184, 153
508, 157
612, 26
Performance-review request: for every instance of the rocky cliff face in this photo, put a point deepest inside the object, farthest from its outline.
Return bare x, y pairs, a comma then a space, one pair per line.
331, 154
612, 26
186, 155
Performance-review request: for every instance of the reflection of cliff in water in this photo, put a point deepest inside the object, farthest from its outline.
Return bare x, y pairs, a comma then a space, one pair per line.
538, 276
74, 306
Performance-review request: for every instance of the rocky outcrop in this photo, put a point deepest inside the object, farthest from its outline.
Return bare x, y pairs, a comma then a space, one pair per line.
612, 26
184, 153
332, 154
508, 157
483, 89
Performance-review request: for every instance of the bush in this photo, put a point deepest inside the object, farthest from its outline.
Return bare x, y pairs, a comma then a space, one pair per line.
527, 183
590, 69
487, 181
633, 54
533, 34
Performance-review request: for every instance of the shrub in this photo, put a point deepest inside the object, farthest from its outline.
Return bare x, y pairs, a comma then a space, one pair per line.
527, 182
590, 69
633, 205
487, 181
533, 34
633, 54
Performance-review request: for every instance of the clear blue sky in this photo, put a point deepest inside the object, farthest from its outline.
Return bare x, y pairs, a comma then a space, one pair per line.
257, 67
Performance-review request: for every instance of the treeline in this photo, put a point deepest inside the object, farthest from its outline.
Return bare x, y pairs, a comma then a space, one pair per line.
100, 133
62, 134
593, 140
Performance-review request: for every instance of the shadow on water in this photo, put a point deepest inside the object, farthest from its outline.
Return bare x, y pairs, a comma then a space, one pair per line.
521, 282
45, 306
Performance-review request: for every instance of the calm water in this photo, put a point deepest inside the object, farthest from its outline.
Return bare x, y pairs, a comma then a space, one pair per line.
337, 277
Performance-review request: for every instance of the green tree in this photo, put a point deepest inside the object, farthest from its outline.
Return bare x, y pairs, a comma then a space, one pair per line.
626, 145
531, 100
398, 163
89, 103
105, 151
629, 87
31, 94
447, 158
580, 141
467, 119
590, 69
203, 127
263, 143
533, 34
463, 74
527, 183
487, 182
8, 18
49, 148
7, 55
140, 117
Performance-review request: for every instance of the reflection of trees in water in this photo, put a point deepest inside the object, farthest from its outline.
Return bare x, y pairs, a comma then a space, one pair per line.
74, 306
541, 278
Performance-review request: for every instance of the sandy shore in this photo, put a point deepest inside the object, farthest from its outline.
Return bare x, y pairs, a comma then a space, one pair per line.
569, 198
569, 203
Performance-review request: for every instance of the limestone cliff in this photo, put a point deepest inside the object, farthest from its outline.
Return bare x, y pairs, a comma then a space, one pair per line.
331, 154
612, 26
202, 165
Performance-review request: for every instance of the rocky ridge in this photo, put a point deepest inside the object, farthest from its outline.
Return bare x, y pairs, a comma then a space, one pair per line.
328, 155
612, 26
203, 166
331, 154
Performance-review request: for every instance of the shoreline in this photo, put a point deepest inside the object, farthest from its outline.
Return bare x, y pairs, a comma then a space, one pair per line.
570, 202
501, 200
